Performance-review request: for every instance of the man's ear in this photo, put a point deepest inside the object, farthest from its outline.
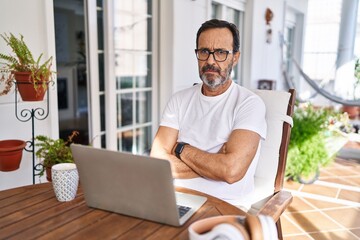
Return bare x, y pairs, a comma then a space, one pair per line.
236, 57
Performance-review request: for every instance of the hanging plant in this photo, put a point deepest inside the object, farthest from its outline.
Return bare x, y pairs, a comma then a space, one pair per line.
22, 67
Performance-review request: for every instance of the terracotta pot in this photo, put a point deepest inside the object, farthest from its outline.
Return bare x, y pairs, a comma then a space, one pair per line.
26, 87
11, 154
309, 179
353, 111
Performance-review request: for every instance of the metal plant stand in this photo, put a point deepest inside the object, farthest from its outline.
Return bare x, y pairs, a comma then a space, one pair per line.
25, 115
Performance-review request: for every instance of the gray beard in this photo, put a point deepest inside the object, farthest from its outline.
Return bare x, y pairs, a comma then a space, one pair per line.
218, 81
213, 84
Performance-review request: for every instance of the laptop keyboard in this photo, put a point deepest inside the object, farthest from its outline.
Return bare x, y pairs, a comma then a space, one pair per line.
183, 210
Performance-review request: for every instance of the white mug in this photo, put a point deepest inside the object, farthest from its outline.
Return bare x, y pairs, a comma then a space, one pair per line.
65, 180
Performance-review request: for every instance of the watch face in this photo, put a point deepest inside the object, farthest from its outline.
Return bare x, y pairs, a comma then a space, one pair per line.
179, 148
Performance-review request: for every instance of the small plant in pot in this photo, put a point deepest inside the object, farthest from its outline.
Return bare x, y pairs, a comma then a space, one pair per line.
53, 151
32, 77
354, 111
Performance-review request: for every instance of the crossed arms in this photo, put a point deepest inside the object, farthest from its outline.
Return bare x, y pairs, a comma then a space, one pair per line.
229, 164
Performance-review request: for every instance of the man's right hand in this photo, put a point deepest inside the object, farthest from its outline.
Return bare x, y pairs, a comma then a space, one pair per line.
163, 147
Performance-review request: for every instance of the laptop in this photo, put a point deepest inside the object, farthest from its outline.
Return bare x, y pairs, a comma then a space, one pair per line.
133, 185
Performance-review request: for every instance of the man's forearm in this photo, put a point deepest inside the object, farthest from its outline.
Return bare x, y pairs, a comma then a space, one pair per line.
178, 167
230, 163
213, 168
163, 148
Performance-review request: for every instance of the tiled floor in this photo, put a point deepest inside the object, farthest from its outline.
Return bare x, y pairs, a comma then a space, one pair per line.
328, 208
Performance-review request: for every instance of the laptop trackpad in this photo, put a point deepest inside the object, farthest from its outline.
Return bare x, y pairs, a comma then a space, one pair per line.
194, 202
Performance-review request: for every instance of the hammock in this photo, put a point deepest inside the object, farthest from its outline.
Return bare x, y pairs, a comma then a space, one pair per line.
320, 90
291, 85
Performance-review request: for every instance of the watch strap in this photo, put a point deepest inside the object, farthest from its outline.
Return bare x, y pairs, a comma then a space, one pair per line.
179, 148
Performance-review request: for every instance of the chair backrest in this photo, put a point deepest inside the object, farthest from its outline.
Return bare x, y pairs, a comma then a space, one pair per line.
272, 161
270, 170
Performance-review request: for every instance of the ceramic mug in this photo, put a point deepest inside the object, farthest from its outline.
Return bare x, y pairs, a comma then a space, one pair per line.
65, 180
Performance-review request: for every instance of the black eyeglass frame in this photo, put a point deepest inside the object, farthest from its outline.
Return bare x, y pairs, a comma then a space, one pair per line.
213, 53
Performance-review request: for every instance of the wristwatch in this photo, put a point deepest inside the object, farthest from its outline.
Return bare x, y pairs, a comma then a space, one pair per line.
179, 148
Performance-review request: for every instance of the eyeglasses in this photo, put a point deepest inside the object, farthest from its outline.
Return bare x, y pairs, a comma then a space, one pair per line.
219, 54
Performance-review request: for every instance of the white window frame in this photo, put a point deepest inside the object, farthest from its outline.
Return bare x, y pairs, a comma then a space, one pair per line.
93, 72
110, 92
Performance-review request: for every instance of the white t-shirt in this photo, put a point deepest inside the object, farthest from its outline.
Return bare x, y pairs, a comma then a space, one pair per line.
207, 122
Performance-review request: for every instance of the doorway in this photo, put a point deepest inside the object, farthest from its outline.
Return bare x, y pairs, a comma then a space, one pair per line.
107, 61
71, 69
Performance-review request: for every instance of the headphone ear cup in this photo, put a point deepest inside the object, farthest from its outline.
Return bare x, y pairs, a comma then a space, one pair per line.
227, 231
268, 227
220, 227
253, 226
241, 229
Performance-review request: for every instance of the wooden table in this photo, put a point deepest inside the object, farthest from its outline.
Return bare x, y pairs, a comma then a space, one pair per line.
33, 212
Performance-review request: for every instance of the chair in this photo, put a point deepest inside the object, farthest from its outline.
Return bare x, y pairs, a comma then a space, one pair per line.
268, 198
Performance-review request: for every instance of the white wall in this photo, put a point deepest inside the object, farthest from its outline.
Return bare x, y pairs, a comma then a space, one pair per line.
179, 22
188, 17
34, 20
265, 62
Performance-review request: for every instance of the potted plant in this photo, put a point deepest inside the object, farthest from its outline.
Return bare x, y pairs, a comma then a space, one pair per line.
354, 111
11, 154
53, 151
315, 139
32, 77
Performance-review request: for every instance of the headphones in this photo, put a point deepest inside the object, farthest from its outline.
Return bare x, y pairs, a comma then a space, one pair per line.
233, 227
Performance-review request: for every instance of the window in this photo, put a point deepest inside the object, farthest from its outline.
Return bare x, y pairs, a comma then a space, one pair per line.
321, 39
357, 36
331, 45
292, 45
288, 48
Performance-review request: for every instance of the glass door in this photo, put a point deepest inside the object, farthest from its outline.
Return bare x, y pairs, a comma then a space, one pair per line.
123, 62
71, 62
133, 63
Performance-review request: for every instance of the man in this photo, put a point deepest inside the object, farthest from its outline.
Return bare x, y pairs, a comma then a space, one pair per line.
211, 132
